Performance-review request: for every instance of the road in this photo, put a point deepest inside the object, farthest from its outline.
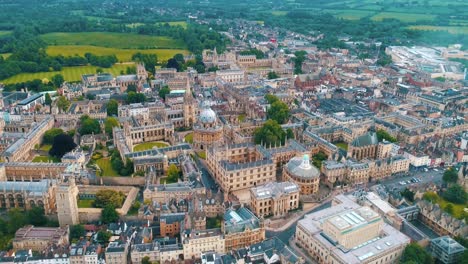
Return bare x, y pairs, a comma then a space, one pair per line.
431, 176
206, 177
289, 232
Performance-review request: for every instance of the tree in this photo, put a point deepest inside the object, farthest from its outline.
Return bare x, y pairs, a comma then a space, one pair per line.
450, 176
89, 126
16, 219
431, 197
408, 194
318, 158
455, 194
112, 108
298, 60
164, 91
131, 88
50, 134
57, 80
289, 133
110, 123
173, 173
279, 112
36, 216
76, 232
63, 104
109, 197
414, 253
62, 144
146, 260
382, 134
133, 97
270, 134
272, 75
109, 215
48, 101
103, 236
149, 60
173, 63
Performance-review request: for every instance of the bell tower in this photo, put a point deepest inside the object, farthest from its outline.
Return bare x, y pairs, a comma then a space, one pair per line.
189, 105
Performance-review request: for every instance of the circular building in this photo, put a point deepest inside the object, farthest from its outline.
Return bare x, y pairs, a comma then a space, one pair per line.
300, 171
207, 131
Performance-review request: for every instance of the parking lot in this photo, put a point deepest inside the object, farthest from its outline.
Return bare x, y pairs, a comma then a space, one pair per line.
423, 177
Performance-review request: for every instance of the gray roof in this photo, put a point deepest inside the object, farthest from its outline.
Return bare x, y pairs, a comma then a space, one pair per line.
275, 189
32, 188
239, 220
301, 167
366, 140
447, 244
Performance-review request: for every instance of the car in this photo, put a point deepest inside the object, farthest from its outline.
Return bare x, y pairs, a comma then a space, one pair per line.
436, 170
408, 182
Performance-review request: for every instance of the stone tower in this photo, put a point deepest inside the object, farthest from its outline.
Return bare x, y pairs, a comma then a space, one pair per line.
67, 205
189, 105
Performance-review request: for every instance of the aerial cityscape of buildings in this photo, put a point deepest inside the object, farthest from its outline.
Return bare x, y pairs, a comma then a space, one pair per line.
355, 172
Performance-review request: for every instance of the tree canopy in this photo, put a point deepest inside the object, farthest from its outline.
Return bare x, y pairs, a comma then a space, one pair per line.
63, 104
109, 214
89, 126
455, 194
173, 174
58, 80
164, 91
112, 107
414, 253
61, 145
109, 197
408, 194
270, 133
450, 176
382, 134
50, 134
110, 123
149, 60
278, 110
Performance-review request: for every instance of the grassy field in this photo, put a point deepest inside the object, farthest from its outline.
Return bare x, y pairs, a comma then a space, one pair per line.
175, 23
4, 32
45, 147
189, 138
71, 74
123, 55
350, 14
201, 154
46, 159
149, 145
405, 17
5, 55
113, 40
341, 145
279, 13
452, 30
88, 203
106, 167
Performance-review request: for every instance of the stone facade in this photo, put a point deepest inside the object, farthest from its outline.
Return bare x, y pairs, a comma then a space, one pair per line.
274, 198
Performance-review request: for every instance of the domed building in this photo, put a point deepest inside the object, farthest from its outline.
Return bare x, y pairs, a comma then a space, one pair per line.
207, 131
300, 171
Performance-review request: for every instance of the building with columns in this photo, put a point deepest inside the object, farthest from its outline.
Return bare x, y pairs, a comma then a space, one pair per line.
274, 198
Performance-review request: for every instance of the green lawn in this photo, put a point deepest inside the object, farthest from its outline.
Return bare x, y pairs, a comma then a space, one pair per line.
123, 55
5, 55
88, 203
71, 74
405, 17
113, 40
149, 145
175, 23
45, 159
342, 145
189, 138
106, 167
452, 29
45, 147
279, 13
213, 222
4, 32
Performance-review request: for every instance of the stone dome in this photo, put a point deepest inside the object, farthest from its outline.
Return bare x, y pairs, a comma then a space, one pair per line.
207, 116
301, 168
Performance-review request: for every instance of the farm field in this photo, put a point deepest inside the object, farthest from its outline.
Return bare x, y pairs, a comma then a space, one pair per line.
149, 145
113, 40
123, 55
452, 30
4, 32
175, 23
351, 14
405, 17
106, 167
71, 74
